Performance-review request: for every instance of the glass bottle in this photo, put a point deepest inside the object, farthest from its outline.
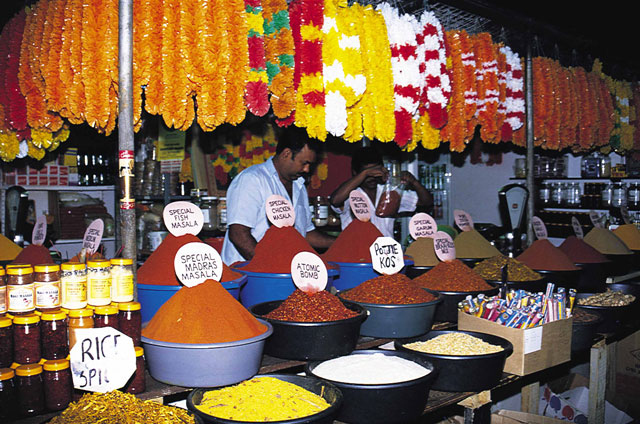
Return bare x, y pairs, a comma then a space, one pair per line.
606, 196
58, 384
26, 339
209, 208
98, 282
222, 213
605, 166
30, 389
74, 285
8, 395
54, 335
545, 195
47, 287
633, 196
122, 280
130, 320
6, 342
137, 382
321, 214
79, 318
106, 316
20, 290
3, 293
619, 195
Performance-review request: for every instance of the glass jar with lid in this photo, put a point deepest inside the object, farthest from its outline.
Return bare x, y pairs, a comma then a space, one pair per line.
106, 316
79, 318
137, 382
633, 196
98, 282
197, 194
74, 285
222, 213
27, 347
321, 211
209, 208
122, 279
606, 196
54, 335
8, 394
619, 197
20, 290
6, 341
605, 166
58, 384
30, 389
3, 293
130, 320
47, 287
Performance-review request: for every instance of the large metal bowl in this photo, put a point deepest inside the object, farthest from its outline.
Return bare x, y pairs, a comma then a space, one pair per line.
205, 365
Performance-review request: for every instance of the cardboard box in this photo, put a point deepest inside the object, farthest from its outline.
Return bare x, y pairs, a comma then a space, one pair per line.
53, 169
627, 387
516, 417
534, 349
63, 180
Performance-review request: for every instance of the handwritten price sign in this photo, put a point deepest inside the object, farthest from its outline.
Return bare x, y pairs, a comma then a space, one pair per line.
182, 218
359, 205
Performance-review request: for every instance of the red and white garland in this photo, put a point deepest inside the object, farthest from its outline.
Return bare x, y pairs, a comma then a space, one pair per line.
514, 102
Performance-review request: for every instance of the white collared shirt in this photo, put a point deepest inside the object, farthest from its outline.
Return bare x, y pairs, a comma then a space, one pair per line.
246, 198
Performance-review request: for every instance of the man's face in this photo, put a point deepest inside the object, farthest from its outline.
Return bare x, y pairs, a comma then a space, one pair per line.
296, 165
371, 182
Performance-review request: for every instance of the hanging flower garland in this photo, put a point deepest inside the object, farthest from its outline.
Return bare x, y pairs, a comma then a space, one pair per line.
71, 64
586, 119
487, 82
501, 112
279, 52
15, 103
54, 90
542, 98
401, 30
569, 121
432, 59
256, 92
554, 116
514, 102
353, 18
470, 89
310, 96
377, 103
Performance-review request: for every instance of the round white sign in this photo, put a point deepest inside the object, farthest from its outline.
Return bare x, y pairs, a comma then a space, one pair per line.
595, 218
463, 220
386, 255
93, 236
39, 234
539, 229
182, 218
422, 225
196, 263
103, 359
280, 211
309, 272
577, 228
444, 246
359, 205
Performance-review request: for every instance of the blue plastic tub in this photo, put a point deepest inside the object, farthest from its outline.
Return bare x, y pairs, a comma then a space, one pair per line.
265, 287
354, 273
152, 296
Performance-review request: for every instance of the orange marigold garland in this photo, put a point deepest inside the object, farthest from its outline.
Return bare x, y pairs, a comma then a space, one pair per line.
54, 90
238, 72
554, 117
568, 130
110, 47
71, 64
542, 98
586, 118
153, 50
487, 83
141, 56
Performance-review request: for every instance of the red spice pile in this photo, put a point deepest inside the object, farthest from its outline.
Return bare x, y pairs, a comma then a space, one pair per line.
276, 249
395, 289
301, 306
581, 252
544, 256
452, 276
352, 245
158, 268
34, 254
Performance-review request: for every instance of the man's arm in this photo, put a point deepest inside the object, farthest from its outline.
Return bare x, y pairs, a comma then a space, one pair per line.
319, 240
242, 239
341, 193
425, 198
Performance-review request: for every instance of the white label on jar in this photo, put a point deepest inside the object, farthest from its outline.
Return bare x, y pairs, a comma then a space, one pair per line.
122, 287
308, 272
323, 212
47, 294
74, 291
539, 228
182, 218
206, 215
280, 211
422, 225
196, 263
98, 290
3, 299
21, 298
386, 256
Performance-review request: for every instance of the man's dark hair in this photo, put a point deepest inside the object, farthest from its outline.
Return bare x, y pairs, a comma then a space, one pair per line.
295, 138
365, 156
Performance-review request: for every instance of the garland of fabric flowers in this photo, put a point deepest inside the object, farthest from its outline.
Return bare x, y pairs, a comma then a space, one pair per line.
279, 52
256, 91
514, 105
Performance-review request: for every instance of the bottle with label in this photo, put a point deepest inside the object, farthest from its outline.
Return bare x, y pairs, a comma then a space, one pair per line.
122, 280
209, 208
321, 211
47, 287
20, 290
98, 282
74, 285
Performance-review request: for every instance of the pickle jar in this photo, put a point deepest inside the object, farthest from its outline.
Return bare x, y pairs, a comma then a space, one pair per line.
98, 282
20, 290
47, 287
3, 293
58, 384
6, 342
7, 394
106, 316
30, 389
26, 339
54, 335
209, 208
122, 280
79, 318
130, 320
74, 285
137, 382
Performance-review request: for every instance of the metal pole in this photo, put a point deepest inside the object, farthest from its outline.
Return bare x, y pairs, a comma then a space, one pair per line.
125, 129
529, 135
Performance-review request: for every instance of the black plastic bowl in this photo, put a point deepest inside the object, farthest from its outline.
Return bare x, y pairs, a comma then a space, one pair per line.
447, 310
532, 286
396, 321
311, 340
464, 373
328, 391
567, 279
383, 403
621, 264
584, 332
612, 316
592, 277
413, 271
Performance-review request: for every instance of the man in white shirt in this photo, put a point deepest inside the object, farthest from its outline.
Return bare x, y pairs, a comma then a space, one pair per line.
283, 175
369, 176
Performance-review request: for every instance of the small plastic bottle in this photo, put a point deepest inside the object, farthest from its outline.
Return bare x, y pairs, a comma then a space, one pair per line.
26, 339
30, 389
54, 335
58, 384
130, 320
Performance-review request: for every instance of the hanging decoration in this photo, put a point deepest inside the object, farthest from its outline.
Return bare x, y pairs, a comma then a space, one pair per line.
485, 53
256, 91
514, 110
